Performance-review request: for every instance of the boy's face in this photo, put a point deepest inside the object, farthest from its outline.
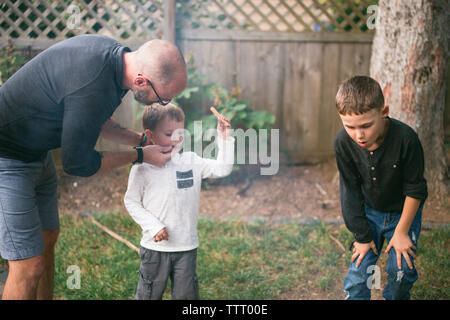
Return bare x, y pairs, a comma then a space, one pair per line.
168, 133
367, 129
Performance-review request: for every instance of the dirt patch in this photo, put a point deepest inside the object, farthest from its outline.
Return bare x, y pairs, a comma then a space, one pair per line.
295, 192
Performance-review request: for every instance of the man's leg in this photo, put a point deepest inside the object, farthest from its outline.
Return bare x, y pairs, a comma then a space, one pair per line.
47, 202
23, 278
45, 286
21, 241
28, 208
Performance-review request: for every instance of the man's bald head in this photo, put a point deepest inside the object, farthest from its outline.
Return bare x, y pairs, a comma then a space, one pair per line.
163, 63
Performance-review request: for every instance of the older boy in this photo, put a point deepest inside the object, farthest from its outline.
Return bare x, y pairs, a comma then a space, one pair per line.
381, 165
164, 202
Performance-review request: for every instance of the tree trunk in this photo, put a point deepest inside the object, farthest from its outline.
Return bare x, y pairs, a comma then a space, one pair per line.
409, 59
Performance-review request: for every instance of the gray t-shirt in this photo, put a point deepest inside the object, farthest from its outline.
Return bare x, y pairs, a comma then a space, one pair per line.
61, 98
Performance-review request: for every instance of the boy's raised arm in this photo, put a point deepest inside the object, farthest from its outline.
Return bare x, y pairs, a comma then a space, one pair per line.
223, 165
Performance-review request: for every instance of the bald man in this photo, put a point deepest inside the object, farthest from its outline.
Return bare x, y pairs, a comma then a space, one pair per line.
64, 97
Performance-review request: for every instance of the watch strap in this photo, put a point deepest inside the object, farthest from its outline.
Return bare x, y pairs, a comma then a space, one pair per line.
143, 139
140, 155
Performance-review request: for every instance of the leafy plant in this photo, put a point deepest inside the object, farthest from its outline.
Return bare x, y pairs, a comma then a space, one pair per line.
227, 102
10, 62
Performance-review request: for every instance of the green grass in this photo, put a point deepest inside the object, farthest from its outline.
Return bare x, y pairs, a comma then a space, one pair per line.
108, 267
433, 264
236, 260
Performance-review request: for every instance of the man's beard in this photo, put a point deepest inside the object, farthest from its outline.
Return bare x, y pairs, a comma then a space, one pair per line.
141, 97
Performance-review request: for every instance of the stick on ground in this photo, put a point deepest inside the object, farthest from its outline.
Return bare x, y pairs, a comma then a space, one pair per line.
337, 242
114, 235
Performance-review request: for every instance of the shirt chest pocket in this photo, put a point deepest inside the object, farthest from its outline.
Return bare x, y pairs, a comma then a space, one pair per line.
390, 171
184, 179
390, 167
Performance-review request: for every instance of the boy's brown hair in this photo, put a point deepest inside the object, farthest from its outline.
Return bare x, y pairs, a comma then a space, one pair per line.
359, 95
156, 112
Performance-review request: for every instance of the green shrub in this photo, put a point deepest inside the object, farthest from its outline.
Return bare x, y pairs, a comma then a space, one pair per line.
10, 62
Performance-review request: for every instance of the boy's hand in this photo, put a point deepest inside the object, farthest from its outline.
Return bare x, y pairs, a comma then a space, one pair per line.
361, 249
403, 246
161, 235
223, 124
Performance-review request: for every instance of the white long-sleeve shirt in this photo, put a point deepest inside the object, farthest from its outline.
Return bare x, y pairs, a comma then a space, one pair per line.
168, 197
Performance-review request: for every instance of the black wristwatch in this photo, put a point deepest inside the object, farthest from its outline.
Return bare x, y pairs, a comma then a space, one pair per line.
140, 156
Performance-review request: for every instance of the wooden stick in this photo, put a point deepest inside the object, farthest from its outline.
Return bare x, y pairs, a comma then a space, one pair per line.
217, 114
114, 235
220, 117
337, 242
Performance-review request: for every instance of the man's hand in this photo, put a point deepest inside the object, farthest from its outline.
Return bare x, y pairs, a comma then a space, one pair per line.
361, 249
161, 235
156, 155
403, 246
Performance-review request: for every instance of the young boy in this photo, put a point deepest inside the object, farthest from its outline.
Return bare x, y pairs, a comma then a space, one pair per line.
381, 166
165, 201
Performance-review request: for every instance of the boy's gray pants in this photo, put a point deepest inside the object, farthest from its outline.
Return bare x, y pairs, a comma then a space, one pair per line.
156, 268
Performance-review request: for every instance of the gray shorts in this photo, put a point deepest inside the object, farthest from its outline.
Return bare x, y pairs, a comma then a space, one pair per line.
28, 206
156, 267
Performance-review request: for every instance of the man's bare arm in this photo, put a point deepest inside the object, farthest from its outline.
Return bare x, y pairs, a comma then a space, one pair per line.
113, 131
152, 154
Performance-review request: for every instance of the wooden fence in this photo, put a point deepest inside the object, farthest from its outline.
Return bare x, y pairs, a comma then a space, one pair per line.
294, 77
287, 56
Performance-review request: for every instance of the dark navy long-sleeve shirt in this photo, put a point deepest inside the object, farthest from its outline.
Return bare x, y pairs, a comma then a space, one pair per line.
381, 178
62, 98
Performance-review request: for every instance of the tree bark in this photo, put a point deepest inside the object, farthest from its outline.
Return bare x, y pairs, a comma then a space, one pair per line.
409, 59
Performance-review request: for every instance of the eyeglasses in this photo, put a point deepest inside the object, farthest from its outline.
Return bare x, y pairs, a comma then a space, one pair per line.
161, 101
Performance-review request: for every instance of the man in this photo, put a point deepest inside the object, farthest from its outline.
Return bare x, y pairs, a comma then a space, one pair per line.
64, 97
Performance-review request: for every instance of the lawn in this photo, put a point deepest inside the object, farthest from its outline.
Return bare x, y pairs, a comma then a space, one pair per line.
236, 260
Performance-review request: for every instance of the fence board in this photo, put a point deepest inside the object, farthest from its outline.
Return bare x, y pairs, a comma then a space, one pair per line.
293, 99
330, 122
310, 118
263, 82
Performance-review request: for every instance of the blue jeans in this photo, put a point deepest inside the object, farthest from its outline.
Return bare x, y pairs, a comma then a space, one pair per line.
360, 279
